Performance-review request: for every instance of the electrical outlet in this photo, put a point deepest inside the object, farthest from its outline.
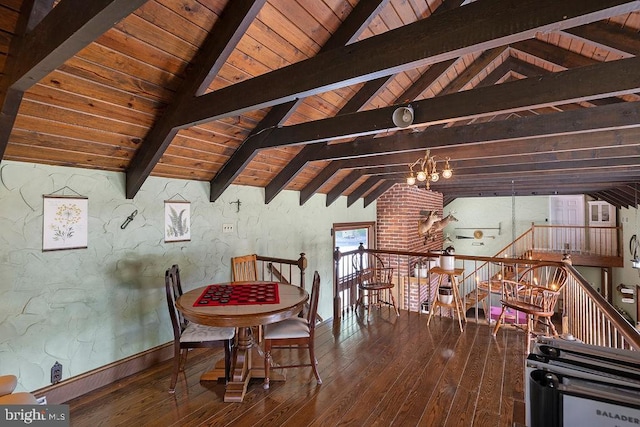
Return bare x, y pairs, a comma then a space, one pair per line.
56, 373
227, 228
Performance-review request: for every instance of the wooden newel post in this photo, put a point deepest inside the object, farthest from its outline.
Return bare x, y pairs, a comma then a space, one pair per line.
337, 303
361, 255
302, 265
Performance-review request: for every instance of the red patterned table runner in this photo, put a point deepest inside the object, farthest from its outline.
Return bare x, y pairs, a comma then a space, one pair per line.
246, 294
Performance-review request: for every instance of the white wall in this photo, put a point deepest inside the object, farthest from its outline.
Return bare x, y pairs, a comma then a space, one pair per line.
629, 276
487, 214
89, 307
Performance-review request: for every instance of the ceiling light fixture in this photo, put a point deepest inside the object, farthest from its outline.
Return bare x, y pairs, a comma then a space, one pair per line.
428, 170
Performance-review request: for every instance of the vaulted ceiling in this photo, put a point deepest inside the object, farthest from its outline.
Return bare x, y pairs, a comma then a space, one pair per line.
525, 96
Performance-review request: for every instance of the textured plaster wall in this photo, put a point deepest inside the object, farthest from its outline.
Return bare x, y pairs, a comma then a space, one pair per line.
89, 307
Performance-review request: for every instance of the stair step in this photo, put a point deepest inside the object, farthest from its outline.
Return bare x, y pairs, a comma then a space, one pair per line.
470, 298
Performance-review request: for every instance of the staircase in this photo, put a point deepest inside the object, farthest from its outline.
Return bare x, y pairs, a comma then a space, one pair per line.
594, 248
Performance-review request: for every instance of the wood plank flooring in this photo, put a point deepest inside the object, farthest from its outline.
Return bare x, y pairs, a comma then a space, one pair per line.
381, 371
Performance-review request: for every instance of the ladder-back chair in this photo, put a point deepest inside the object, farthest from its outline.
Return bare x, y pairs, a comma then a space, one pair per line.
294, 333
188, 335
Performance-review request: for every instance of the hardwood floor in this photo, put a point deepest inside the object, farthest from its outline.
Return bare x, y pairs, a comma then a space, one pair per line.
385, 371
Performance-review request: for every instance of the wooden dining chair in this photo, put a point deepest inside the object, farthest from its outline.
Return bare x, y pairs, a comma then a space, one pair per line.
244, 268
373, 280
188, 335
294, 333
534, 294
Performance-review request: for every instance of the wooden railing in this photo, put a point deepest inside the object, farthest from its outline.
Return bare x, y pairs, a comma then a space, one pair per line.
282, 270
591, 319
586, 314
599, 241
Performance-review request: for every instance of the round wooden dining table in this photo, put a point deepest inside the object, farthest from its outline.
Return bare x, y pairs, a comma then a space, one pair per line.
291, 301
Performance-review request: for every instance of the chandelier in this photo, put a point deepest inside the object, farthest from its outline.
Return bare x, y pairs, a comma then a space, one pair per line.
428, 172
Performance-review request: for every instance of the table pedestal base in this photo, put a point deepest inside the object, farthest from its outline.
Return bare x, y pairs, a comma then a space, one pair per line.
242, 369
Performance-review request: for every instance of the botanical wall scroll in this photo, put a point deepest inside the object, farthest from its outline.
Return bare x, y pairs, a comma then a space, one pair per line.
65, 222
177, 221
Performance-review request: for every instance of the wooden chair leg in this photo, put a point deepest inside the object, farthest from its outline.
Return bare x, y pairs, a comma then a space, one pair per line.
176, 368
183, 358
393, 301
550, 326
529, 333
314, 363
499, 321
267, 364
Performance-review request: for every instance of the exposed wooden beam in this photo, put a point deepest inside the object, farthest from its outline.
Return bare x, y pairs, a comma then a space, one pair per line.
220, 42
553, 54
477, 26
354, 24
342, 186
425, 80
506, 147
41, 48
583, 84
318, 181
307, 153
377, 192
64, 31
608, 36
609, 117
362, 189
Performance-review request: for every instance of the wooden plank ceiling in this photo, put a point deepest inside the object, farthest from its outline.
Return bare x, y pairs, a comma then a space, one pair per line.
525, 96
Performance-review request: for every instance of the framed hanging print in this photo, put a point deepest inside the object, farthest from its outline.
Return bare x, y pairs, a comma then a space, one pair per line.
65, 222
177, 221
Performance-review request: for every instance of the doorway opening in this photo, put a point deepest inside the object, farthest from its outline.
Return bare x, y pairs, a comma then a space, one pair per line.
348, 237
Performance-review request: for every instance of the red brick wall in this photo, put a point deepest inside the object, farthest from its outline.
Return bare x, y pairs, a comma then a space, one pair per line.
398, 212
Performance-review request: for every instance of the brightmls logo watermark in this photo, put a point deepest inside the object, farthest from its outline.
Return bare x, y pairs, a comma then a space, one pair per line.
34, 415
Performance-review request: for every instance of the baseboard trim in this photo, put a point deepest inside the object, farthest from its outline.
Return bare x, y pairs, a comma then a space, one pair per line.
76, 386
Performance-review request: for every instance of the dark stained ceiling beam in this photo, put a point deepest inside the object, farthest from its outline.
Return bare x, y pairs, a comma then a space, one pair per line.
377, 192
527, 146
608, 177
318, 181
475, 169
310, 150
608, 36
480, 64
362, 189
476, 26
575, 85
361, 16
425, 80
361, 98
46, 42
291, 170
343, 185
215, 50
67, 29
616, 199
553, 54
485, 59
609, 117
505, 188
